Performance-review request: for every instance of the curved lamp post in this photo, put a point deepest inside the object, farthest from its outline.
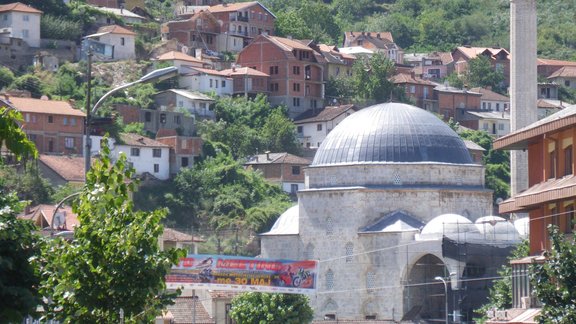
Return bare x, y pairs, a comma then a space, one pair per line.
156, 75
58, 207
445, 293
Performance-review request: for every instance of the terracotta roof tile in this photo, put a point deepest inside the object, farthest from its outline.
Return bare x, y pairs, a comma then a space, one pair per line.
69, 168
408, 78
41, 215
17, 6
173, 235
45, 106
228, 7
208, 71
326, 114
185, 308
383, 35
175, 55
564, 72
288, 44
490, 95
244, 71
115, 29
542, 61
132, 139
472, 52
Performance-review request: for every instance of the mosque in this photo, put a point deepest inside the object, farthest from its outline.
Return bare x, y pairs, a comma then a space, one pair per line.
392, 202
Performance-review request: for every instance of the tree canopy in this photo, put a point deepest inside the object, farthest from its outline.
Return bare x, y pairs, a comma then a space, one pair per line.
265, 308
113, 265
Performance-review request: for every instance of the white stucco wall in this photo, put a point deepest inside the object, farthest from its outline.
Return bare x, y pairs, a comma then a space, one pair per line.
121, 52
28, 30
207, 84
145, 161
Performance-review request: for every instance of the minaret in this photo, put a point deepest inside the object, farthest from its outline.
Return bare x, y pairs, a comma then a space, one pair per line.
523, 83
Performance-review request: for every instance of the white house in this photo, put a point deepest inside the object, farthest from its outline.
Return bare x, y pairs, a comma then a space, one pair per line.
21, 21
181, 61
121, 39
312, 128
493, 122
491, 100
206, 80
195, 103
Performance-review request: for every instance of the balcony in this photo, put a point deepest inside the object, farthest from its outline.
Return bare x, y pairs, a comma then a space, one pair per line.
240, 18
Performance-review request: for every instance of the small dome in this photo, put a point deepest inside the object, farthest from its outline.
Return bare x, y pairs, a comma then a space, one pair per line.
392, 132
496, 228
522, 225
448, 224
286, 224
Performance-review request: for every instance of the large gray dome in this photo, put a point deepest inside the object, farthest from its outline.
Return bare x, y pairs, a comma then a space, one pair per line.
392, 132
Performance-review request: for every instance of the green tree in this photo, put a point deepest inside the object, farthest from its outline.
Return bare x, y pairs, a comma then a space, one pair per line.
18, 245
481, 73
113, 264
6, 77
29, 184
31, 83
554, 280
12, 136
265, 308
370, 79
279, 133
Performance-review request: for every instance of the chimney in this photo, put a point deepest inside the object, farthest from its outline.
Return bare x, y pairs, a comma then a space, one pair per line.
368, 33
267, 155
378, 35
7, 97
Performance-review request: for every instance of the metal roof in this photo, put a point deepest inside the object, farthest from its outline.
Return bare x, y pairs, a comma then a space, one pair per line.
392, 132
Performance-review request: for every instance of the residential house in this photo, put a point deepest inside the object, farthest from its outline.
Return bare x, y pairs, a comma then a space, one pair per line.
549, 200
159, 118
173, 239
381, 42
499, 59
337, 64
200, 306
547, 107
41, 215
54, 126
199, 31
491, 100
62, 169
198, 105
244, 19
547, 90
358, 52
545, 67
476, 151
452, 103
312, 127
18, 20
247, 82
565, 76
435, 65
147, 156
415, 88
181, 60
296, 71
127, 16
119, 38
495, 123
184, 150
206, 81
285, 169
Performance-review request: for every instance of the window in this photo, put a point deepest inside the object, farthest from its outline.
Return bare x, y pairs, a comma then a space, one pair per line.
299, 129
65, 121
147, 116
568, 160
163, 118
295, 170
26, 18
209, 39
296, 87
50, 119
497, 107
211, 83
567, 83
156, 153
273, 70
485, 126
490, 106
501, 127
122, 41
69, 142
552, 165
223, 84
349, 249
483, 105
273, 87
25, 33
184, 162
319, 127
371, 280
329, 279
216, 83
134, 151
156, 168
293, 188
296, 70
177, 119
27, 117
412, 89
329, 226
73, 121
296, 102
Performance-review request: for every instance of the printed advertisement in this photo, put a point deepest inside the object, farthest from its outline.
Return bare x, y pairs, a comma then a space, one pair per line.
244, 274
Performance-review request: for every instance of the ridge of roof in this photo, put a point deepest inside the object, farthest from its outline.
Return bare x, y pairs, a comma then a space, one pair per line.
176, 55
20, 7
115, 29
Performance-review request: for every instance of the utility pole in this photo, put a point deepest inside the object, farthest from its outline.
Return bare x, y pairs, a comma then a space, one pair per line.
88, 144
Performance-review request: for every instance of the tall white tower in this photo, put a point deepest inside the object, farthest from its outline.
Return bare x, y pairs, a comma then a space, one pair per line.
523, 83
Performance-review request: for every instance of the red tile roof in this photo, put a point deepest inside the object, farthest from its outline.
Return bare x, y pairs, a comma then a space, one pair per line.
473, 52
45, 106
208, 71
564, 72
17, 6
115, 29
542, 61
277, 158
185, 308
408, 78
132, 139
69, 168
383, 35
229, 7
244, 71
288, 44
175, 55
172, 235
490, 95
41, 215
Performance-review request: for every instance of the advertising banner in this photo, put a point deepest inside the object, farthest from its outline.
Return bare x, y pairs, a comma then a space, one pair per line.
244, 274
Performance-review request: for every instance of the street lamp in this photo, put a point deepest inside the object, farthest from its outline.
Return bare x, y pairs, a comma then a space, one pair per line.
445, 293
58, 207
156, 75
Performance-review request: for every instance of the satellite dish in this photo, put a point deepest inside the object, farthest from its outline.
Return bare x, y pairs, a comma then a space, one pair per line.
184, 49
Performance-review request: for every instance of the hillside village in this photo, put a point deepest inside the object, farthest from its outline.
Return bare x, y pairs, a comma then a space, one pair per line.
230, 50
